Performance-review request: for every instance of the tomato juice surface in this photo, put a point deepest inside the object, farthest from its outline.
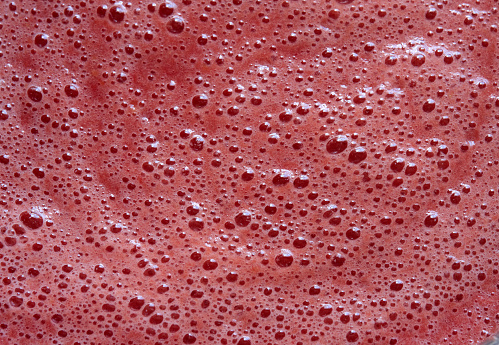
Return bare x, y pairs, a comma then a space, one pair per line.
249, 172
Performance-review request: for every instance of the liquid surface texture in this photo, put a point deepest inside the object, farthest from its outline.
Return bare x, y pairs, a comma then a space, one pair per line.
249, 172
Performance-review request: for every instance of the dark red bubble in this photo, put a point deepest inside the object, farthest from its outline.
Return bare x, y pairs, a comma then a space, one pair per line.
357, 155
397, 285
337, 144
117, 13
31, 219
175, 25
284, 259
35, 93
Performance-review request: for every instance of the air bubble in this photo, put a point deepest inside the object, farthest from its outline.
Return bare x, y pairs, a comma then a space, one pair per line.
71, 91
244, 341
327, 53
232, 277
166, 9
345, 318
147, 167
455, 197
286, 116
31, 219
57, 318
285, 259
299, 242
397, 285
357, 155
210, 265
353, 233
429, 106
117, 13
411, 169
196, 224
337, 144
189, 339
314, 290
67, 268
301, 181
175, 25
38, 172
197, 143
431, 219
391, 60
352, 336
326, 310
16, 301
41, 40
418, 60
338, 260
282, 178
156, 319
101, 11
200, 101
243, 218
35, 93
248, 175
116, 228
431, 14
149, 308
193, 209
398, 165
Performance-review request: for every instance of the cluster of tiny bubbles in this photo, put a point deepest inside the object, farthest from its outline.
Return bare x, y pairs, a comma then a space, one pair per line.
244, 172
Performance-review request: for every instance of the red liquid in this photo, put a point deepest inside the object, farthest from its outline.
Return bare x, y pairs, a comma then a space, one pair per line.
249, 172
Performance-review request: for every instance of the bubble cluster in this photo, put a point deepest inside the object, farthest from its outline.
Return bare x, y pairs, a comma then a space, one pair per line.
248, 172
